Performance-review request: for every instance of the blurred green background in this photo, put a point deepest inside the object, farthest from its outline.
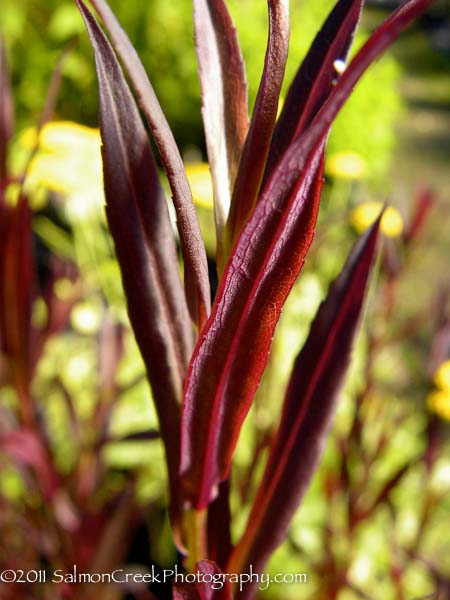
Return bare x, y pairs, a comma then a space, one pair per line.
391, 138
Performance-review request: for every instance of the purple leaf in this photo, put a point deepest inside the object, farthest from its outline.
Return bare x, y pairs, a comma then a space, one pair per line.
139, 221
224, 94
232, 352
28, 449
257, 143
302, 146
192, 246
6, 112
308, 408
316, 77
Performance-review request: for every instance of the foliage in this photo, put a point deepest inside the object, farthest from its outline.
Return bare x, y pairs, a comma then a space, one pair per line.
36, 30
205, 364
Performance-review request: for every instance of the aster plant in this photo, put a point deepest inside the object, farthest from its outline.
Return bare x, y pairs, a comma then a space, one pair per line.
204, 363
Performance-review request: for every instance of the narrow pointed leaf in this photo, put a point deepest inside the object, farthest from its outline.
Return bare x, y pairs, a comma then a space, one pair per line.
47, 110
192, 246
316, 77
230, 356
139, 221
224, 95
17, 278
53, 88
6, 111
386, 34
257, 143
307, 411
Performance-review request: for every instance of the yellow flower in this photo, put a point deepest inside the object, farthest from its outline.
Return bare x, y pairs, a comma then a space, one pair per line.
199, 177
442, 376
438, 401
365, 214
346, 165
68, 161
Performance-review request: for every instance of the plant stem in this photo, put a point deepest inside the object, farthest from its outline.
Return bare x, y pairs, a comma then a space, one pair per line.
196, 521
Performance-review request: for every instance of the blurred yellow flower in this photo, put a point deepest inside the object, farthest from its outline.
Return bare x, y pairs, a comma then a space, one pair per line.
85, 318
280, 106
346, 165
68, 161
438, 401
442, 376
365, 214
199, 177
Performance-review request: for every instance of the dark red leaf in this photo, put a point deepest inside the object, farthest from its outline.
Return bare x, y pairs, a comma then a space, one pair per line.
122, 517
219, 519
28, 449
54, 87
17, 278
58, 309
315, 79
232, 352
6, 111
257, 143
139, 221
213, 585
224, 94
192, 246
185, 591
308, 409
423, 202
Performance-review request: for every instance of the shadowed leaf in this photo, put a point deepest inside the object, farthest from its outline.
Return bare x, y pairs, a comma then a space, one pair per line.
139, 221
219, 520
308, 408
192, 246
